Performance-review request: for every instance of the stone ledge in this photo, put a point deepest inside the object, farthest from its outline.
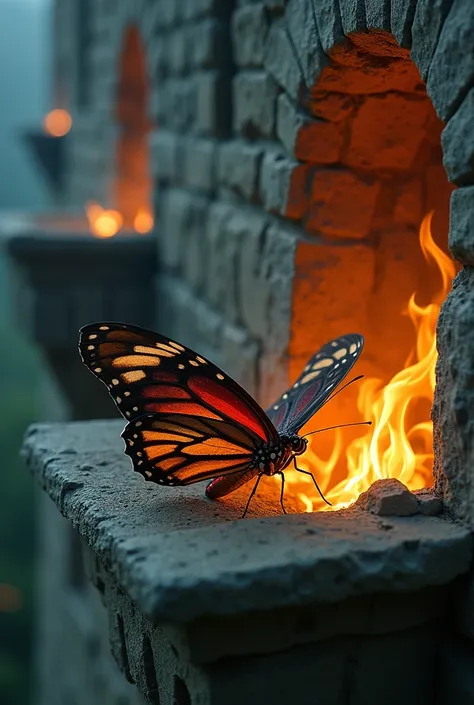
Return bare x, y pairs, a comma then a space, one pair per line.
180, 556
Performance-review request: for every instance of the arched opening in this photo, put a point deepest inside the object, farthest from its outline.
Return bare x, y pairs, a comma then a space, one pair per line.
367, 267
133, 186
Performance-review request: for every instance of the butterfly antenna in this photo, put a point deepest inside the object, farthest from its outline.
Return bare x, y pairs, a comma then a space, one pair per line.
344, 386
342, 425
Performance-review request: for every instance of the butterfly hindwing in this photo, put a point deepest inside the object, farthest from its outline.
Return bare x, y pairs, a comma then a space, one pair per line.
180, 449
148, 373
322, 374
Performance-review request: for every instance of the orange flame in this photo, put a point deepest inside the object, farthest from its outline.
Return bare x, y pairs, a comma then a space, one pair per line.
57, 123
399, 442
103, 223
143, 221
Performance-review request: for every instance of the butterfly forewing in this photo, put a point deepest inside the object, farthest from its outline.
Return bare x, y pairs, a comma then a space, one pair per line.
319, 379
148, 373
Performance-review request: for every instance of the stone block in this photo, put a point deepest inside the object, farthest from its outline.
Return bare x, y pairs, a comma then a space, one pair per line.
456, 671
164, 156
333, 107
199, 164
451, 71
238, 167
327, 14
227, 567
209, 44
281, 62
305, 139
254, 95
387, 131
194, 254
175, 216
401, 20
178, 51
458, 143
249, 31
342, 205
453, 422
283, 185
461, 226
353, 16
377, 14
212, 115
240, 355
388, 497
222, 265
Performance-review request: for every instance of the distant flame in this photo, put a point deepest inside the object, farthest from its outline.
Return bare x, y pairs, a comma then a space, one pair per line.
399, 442
57, 123
103, 223
143, 221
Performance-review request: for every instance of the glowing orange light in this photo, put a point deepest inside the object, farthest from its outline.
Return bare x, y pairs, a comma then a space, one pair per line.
399, 442
10, 598
57, 123
103, 223
143, 221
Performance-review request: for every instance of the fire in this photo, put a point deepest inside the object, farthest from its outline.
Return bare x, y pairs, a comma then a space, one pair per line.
143, 221
103, 223
57, 122
399, 442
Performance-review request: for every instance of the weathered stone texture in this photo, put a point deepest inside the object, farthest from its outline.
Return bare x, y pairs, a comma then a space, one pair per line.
454, 400
284, 185
249, 29
254, 94
238, 167
461, 229
458, 143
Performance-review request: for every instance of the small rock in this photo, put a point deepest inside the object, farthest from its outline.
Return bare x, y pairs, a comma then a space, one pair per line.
388, 498
429, 503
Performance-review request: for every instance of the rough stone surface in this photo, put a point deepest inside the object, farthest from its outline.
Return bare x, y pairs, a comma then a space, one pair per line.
428, 503
461, 227
238, 167
254, 94
458, 143
388, 498
199, 164
284, 185
427, 24
249, 30
451, 72
180, 556
453, 421
377, 14
401, 20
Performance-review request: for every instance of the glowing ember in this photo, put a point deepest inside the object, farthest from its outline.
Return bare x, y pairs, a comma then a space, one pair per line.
143, 221
57, 123
103, 223
399, 443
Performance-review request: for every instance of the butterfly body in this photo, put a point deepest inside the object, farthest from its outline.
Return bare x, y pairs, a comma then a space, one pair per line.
189, 421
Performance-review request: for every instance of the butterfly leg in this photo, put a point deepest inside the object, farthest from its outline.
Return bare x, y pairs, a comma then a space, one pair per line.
251, 495
306, 472
282, 492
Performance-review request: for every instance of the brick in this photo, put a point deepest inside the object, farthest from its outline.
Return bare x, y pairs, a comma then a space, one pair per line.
341, 204
283, 185
199, 164
254, 96
222, 265
458, 143
200, 8
158, 59
307, 36
427, 24
461, 226
240, 354
401, 20
212, 108
178, 51
387, 132
249, 30
329, 23
210, 44
175, 217
165, 164
239, 164
451, 72
331, 106
281, 62
307, 140
409, 207
194, 254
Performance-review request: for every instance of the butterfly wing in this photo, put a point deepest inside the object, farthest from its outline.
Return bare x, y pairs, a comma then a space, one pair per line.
148, 373
181, 449
323, 373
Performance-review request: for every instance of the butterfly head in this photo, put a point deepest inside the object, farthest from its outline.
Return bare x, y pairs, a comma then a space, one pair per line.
297, 444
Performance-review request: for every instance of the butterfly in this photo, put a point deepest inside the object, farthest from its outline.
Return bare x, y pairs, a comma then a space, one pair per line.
188, 421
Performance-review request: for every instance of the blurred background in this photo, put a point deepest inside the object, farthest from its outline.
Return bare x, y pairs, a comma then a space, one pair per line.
25, 90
